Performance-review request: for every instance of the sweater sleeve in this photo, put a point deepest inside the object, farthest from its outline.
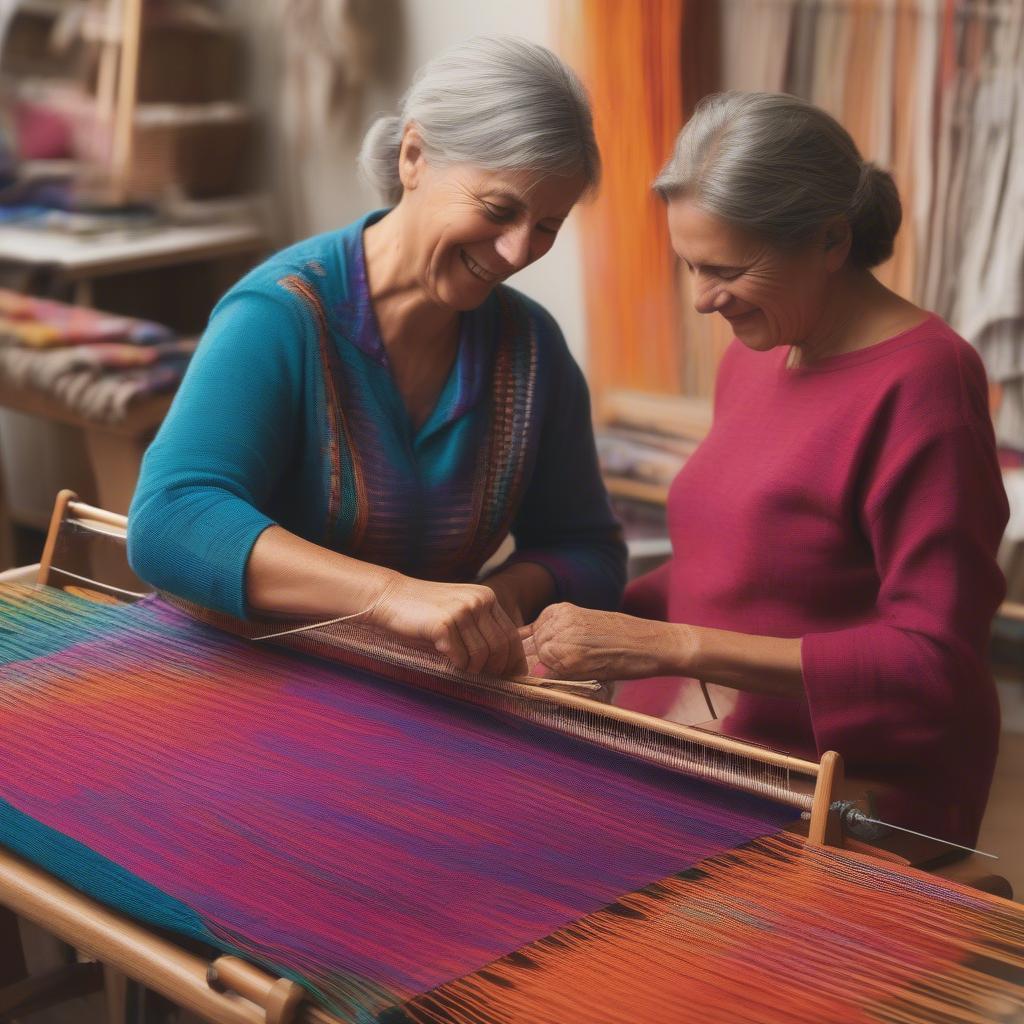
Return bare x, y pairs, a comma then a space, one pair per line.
566, 522
933, 514
205, 480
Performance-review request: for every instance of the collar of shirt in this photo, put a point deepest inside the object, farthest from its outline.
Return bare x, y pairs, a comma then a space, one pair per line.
478, 332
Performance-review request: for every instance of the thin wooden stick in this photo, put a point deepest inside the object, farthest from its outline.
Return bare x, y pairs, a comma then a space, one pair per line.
127, 88
90, 513
584, 685
64, 498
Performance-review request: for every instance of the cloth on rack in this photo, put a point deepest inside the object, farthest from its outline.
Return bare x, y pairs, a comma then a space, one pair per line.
99, 380
989, 297
96, 363
43, 323
934, 91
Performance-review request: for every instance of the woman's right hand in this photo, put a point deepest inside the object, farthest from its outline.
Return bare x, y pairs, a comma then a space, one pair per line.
463, 621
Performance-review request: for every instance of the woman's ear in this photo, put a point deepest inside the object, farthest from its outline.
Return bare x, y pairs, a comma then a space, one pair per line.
411, 158
836, 241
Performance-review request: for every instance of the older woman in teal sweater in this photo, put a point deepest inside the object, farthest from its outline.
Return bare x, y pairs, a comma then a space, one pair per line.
373, 410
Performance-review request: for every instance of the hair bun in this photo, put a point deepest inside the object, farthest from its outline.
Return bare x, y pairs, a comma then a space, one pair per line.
875, 216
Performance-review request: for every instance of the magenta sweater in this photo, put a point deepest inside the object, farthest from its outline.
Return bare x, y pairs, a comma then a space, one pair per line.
856, 504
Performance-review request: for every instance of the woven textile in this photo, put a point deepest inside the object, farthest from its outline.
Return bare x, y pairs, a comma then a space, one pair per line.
415, 860
778, 932
364, 838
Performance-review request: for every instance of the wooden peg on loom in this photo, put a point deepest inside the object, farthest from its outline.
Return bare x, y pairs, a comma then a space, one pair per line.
279, 997
825, 826
60, 508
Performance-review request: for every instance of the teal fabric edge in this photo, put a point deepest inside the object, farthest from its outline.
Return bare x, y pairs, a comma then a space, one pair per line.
96, 876
114, 886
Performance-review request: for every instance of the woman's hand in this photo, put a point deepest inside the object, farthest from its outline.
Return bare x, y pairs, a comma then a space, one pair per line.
464, 621
578, 643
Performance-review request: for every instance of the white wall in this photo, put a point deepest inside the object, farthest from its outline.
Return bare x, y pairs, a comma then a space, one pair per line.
333, 193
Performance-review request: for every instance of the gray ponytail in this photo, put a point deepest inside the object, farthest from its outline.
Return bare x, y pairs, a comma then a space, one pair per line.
378, 158
496, 103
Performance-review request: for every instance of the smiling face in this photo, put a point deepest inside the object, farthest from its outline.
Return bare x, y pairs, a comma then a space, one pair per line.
470, 228
770, 296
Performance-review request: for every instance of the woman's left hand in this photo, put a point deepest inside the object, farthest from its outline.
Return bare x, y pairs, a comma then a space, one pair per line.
579, 643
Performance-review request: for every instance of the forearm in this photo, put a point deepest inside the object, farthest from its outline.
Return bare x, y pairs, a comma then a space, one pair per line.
522, 589
758, 664
288, 574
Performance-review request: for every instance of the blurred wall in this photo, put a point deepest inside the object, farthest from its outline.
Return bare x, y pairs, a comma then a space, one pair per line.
326, 180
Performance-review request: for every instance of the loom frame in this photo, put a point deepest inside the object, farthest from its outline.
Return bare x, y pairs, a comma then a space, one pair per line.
228, 990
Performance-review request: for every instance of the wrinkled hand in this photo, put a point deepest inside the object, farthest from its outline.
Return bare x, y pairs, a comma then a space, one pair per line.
579, 643
463, 621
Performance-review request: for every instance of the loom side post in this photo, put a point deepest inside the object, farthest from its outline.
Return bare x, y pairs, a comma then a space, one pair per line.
113, 939
60, 508
824, 827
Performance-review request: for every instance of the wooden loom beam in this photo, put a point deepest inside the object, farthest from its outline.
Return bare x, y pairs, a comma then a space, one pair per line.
118, 941
60, 510
824, 826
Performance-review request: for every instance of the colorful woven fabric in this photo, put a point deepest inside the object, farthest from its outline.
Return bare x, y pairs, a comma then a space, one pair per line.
45, 323
100, 381
415, 860
365, 838
778, 932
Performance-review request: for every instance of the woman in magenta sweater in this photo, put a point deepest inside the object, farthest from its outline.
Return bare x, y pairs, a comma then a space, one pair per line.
834, 537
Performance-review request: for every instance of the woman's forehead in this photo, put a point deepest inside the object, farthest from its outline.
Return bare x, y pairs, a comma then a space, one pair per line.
528, 189
703, 239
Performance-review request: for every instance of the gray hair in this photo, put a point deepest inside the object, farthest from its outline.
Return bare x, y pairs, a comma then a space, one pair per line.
781, 168
497, 103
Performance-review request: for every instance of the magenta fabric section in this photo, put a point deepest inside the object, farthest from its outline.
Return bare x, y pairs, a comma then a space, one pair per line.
857, 504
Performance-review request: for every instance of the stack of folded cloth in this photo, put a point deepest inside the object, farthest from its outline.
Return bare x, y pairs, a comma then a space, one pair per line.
95, 362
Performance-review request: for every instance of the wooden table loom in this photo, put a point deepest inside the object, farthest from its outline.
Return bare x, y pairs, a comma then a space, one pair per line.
227, 989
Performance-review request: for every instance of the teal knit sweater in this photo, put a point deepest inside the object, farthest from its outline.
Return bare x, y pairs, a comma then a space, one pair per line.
289, 414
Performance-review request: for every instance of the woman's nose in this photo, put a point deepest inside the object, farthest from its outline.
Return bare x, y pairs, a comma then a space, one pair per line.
708, 297
513, 246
